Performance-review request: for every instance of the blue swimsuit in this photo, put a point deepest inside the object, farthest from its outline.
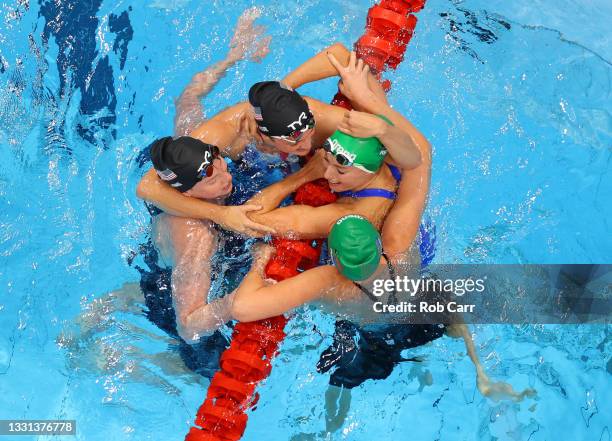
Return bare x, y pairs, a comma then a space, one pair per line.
374, 192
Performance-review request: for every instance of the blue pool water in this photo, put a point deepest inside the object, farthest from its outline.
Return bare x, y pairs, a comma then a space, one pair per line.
516, 99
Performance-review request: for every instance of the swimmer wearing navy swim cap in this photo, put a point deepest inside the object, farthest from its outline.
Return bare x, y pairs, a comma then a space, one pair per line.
192, 167
283, 118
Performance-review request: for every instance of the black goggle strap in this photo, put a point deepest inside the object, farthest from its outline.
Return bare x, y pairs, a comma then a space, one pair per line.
392, 273
371, 296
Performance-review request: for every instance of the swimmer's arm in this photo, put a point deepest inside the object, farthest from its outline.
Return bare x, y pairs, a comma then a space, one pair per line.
152, 189
402, 223
404, 140
193, 243
189, 109
401, 148
254, 300
302, 221
248, 41
270, 197
319, 67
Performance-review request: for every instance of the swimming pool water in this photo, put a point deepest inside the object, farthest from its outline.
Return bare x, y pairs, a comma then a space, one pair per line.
516, 100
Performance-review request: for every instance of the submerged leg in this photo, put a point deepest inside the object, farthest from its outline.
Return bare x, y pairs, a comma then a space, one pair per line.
495, 390
337, 405
96, 316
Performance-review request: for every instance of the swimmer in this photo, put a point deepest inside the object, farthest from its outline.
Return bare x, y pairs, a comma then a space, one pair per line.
279, 119
197, 170
194, 238
248, 40
188, 243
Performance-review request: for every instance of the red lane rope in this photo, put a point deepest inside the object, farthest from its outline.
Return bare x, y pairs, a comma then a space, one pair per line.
248, 360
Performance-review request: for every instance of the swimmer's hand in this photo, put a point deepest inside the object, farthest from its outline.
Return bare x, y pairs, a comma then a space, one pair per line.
235, 218
353, 82
247, 125
247, 128
363, 125
249, 40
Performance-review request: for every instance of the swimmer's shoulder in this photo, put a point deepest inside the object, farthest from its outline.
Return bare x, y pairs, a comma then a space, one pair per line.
223, 130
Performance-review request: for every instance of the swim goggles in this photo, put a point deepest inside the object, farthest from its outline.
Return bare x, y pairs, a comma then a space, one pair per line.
339, 157
299, 134
208, 170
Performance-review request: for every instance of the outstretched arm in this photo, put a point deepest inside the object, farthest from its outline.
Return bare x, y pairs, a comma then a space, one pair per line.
189, 109
328, 116
320, 67
254, 300
317, 67
247, 41
151, 188
303, 221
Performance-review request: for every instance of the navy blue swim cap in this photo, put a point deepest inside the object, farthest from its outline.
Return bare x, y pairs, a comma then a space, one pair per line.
182, 162
279, 110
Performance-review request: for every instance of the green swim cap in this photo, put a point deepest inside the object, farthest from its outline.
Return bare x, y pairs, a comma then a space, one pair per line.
366, 154
355, 247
